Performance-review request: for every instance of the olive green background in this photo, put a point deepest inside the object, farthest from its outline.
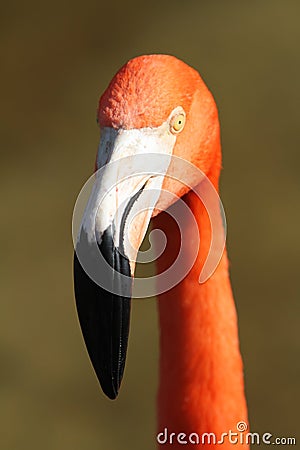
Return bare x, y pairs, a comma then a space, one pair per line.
57, 57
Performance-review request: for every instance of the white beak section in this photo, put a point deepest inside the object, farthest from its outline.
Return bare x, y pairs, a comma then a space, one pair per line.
128, 185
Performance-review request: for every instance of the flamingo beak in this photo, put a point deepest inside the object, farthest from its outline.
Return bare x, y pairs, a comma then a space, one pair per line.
111, 234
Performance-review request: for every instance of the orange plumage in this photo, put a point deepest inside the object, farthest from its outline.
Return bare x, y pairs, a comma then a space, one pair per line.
201, 387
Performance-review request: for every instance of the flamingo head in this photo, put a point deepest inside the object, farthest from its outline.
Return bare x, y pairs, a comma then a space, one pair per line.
156, 106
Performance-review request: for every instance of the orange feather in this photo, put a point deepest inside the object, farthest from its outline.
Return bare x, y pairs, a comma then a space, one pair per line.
201, 386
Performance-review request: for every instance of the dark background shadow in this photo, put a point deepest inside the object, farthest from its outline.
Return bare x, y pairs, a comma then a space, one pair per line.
57, 58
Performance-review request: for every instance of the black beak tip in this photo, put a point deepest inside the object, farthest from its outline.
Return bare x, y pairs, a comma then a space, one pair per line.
105, 316
111, 395
111, 392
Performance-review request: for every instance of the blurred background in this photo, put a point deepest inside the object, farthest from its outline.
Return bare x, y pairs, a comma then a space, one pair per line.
57, 58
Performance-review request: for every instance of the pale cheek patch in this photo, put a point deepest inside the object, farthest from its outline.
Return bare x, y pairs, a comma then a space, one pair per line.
120, 155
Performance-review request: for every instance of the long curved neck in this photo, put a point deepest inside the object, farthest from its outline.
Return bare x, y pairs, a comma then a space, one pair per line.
201, 387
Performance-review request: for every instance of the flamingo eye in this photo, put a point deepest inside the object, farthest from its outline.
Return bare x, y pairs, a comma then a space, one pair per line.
177, 123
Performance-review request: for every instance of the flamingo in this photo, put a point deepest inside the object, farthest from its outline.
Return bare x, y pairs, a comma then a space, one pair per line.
159, 103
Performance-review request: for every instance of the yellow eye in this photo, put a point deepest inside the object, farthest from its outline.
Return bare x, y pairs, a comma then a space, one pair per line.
177, 123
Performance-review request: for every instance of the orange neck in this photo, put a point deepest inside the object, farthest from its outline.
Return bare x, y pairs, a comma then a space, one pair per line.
201, 388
